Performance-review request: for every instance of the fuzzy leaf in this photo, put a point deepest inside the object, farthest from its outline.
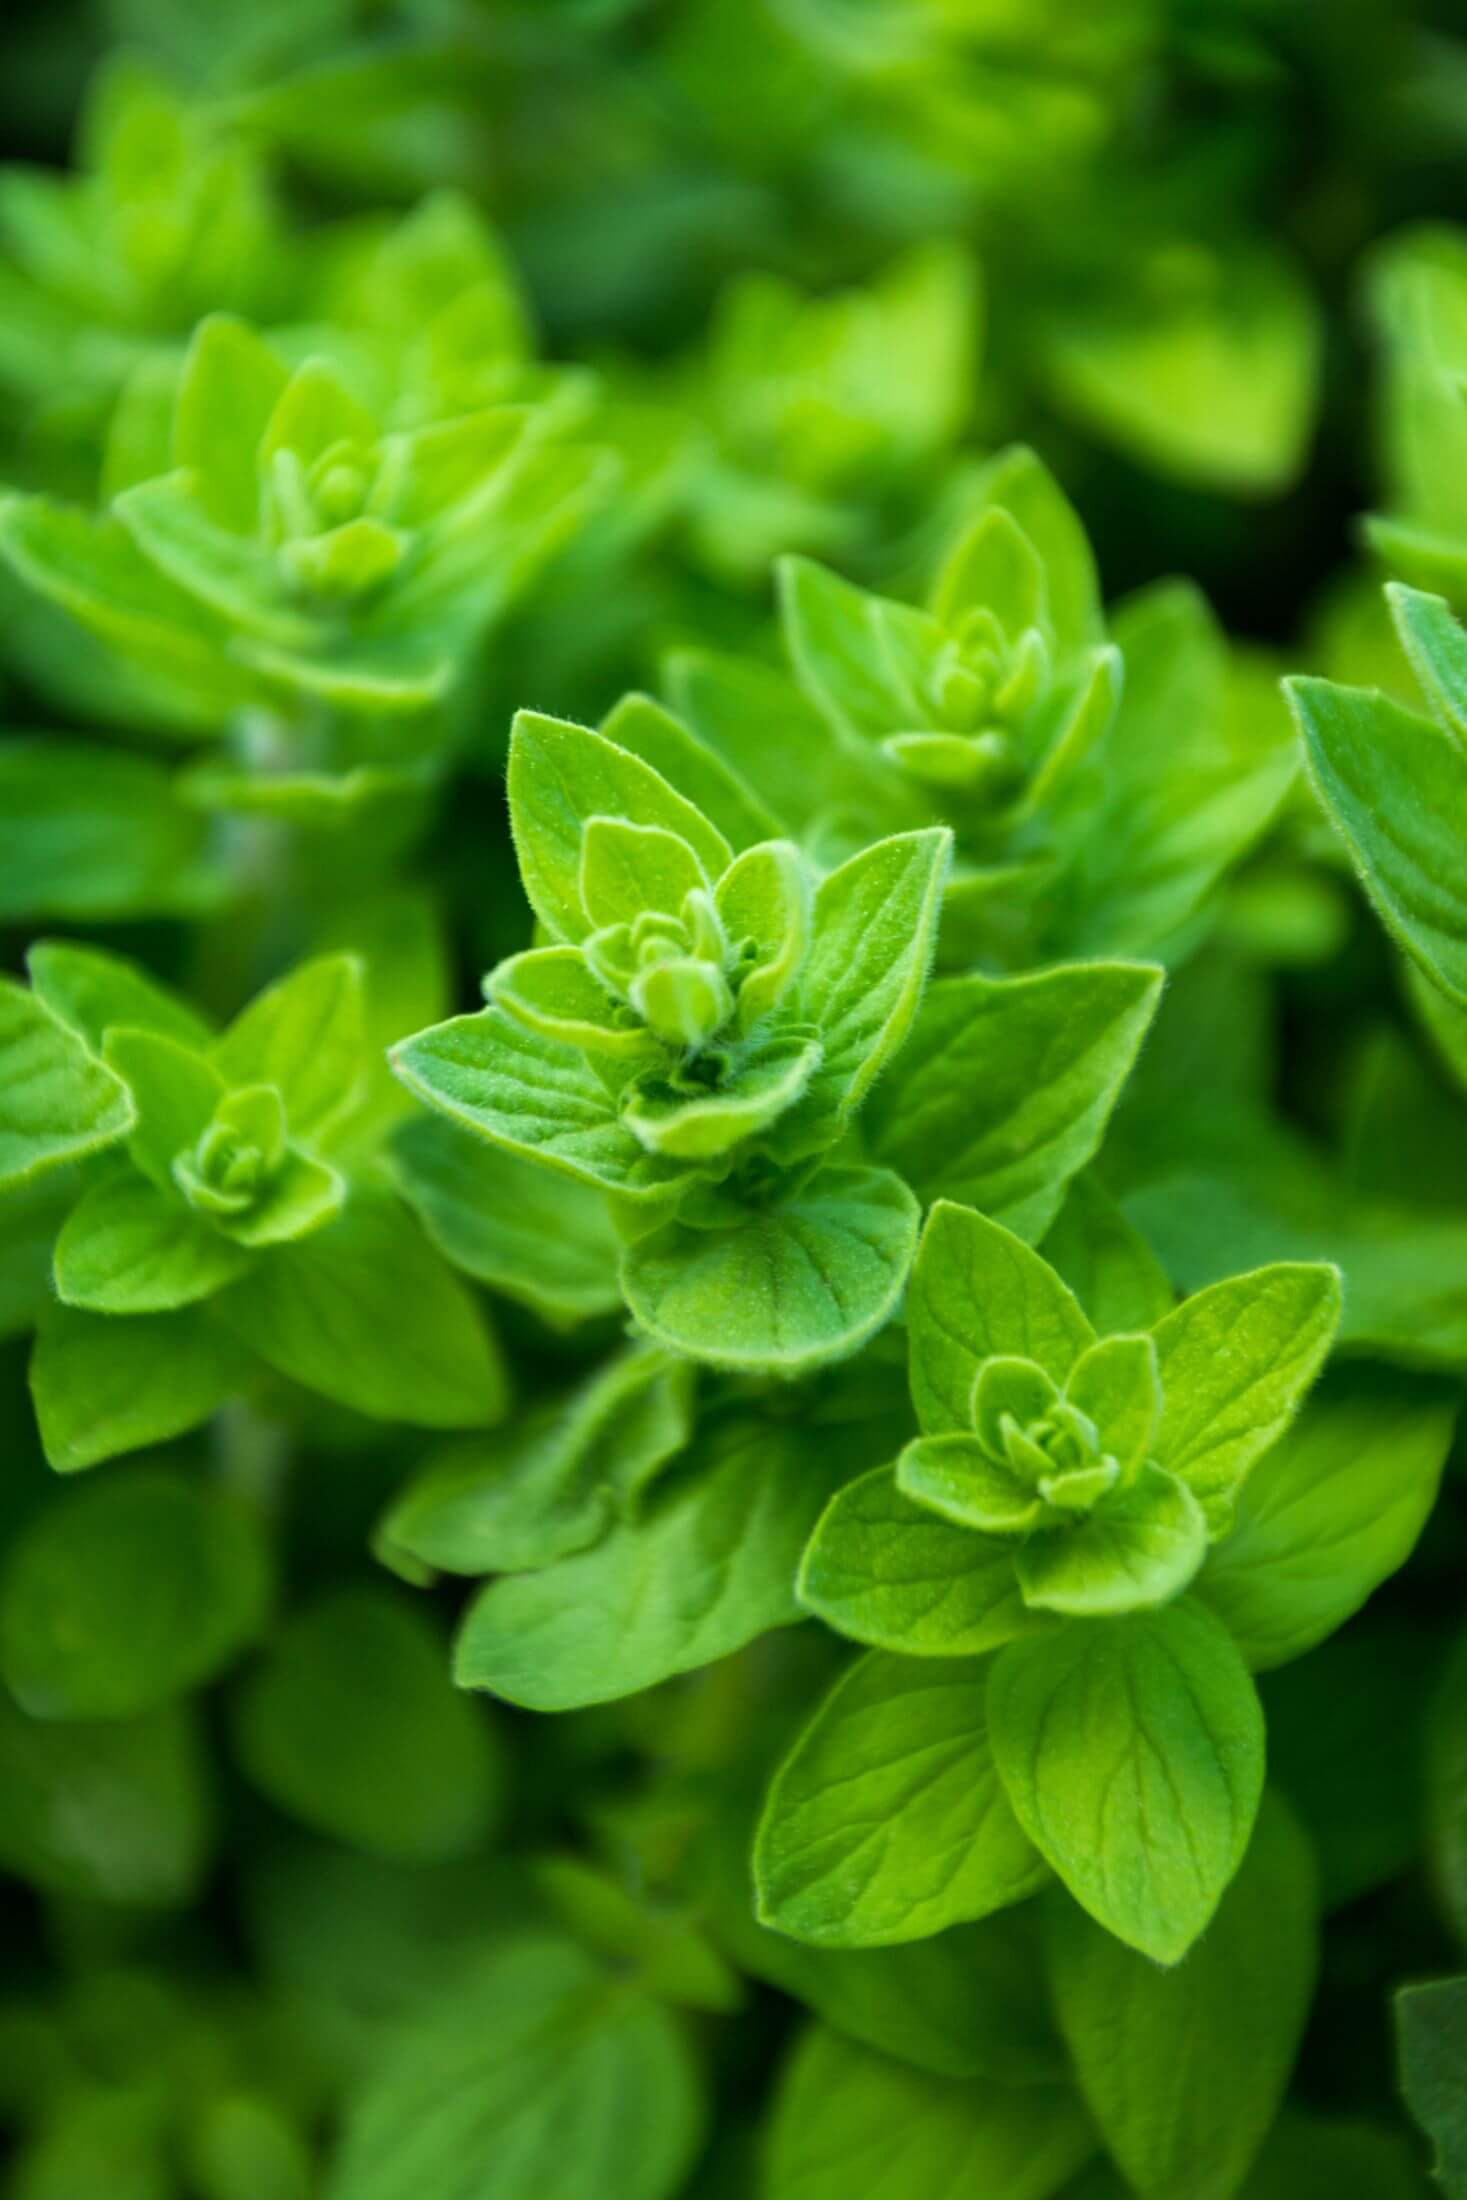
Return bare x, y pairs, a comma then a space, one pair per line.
787, 1288
57, 1102
978, 1292
127, 1248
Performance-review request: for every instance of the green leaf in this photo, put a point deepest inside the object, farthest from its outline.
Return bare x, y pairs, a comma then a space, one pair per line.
555, 1479
834, 650
1431, 2026
764, 1082
977, 1292
1395, 786
94, 990
1139, 1548
1003, 1091
552, 990
1132, 1752
665, 1950
1236, 1361
707, 1566
367, 1313
57, 1101
725, 795
533, 1097
887, 1572
848, 2121
786, 1289
1331, 1512
626, 869
536, 1235
127, 1248
115, 1812
175, 1091
873, 930
955, 1477
1225, 2025
351, 1725
89, 833
969, 2002
229, 385
103, 1386
126, 1593
1019, 483
307, 1037
531, 2075
1434, 641
763, 900
1105, 1261
887, 1820
563, 775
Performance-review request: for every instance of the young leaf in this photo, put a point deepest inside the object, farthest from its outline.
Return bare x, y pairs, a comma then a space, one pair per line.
1436, 643
887, 1820
57, 1102
873, 930
1005, 1086
977, 1292
786, 1289
847, 2121
1331, 1512
126, 1593
708, 1565
563, 775
367, 1313
1138, 1549
1132, 1752
1395, 786
307, 1037
1225, 2025
127, 1248
103, 1386
534, 1097
530, 2075
1236, 1361
888, 1572
726, 797
350, 1724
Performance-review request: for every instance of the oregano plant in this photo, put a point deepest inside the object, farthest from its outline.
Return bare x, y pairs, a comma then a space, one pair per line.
733, 1101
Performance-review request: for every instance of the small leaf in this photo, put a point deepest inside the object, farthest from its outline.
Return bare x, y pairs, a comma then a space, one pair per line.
532, 1096
1395, 786
873, 930
1003, 1091
888, 1572
307, 1037
175, 1091
563, 775
126, 1593
94, 990
977, 1293
1331, 1512
367, 1313
103, 1386
887, 1820
127, 1248
1139, 1548
57, 1102
1225, 2025
764, 1082
627, 869
787, 1288
1236, 1361
1132, 1752
351, 1725
1434, 640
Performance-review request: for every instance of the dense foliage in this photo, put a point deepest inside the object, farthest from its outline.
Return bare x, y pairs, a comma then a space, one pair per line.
733, 1100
